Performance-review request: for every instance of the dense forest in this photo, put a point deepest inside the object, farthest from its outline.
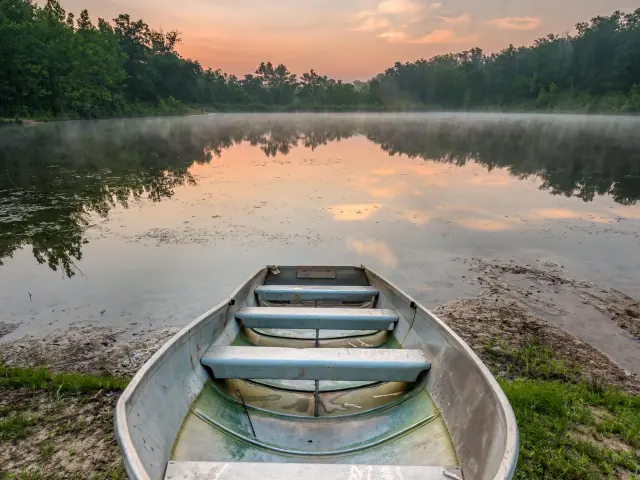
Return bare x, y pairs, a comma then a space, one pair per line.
57, 65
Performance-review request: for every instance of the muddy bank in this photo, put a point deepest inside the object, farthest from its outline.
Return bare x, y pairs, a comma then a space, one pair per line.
602, 317
7, 328
488, 319
88, 350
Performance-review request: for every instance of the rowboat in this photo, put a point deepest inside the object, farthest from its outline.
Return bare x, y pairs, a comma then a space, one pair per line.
316, 373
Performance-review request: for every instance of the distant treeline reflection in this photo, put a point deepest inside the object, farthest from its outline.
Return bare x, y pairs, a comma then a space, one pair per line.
53, 177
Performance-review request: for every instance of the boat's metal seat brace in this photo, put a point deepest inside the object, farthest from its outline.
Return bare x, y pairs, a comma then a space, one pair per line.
316, 363
318, 318
293, 293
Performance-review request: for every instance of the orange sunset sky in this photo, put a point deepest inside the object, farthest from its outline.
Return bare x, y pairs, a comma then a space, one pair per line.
347, 39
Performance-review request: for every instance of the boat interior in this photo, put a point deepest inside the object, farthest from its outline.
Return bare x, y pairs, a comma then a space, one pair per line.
324, 372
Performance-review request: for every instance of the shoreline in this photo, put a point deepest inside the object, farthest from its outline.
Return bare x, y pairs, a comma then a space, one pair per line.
62, 425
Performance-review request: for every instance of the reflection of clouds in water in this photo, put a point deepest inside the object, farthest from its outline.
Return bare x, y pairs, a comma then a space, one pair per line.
627, 212
563, 214
395, 191
380, 251
387, 192
496, 178
353, 212
473, 218
418, 217
431, 174
384, 172
484, 224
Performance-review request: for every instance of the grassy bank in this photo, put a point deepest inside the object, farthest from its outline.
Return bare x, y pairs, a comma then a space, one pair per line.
570, 426
60, 425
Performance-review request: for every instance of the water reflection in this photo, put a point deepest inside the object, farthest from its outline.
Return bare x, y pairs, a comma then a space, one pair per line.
53, 178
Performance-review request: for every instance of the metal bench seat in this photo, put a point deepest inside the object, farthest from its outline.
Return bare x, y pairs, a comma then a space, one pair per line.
316, 363
318, 318
315, 292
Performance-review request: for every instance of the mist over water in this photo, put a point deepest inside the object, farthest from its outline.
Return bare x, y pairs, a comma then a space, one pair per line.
162, 217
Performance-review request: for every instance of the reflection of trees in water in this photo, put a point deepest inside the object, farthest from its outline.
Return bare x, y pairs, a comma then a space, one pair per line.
569, 162
53, 177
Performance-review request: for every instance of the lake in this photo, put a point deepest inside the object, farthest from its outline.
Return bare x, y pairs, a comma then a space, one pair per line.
147, 223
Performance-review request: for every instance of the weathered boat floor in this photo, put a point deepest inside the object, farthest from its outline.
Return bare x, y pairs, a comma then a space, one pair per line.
396, 426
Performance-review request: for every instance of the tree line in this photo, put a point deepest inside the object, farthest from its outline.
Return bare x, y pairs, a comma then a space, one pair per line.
57, 65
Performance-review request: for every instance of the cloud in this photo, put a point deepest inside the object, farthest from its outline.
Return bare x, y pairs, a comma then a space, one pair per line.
389, 7
395, 37
434, 6
460, 20
395, 7
436, 37
516, 23
371, 24
364, 14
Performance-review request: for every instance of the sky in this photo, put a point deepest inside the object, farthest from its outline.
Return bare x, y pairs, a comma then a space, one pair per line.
347, 39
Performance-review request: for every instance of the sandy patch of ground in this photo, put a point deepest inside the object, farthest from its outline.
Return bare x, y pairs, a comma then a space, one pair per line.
531, 284
91, 350
480, 320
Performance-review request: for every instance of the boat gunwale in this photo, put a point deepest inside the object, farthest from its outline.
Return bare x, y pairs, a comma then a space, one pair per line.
133, 465
136, 469
512, 441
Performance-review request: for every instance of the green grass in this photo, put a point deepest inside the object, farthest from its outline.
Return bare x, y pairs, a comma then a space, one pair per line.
532, 360
41, 378
15, 426
569, 428
25, 475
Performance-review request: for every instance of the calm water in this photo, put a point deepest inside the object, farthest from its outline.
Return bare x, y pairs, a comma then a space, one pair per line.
147, 223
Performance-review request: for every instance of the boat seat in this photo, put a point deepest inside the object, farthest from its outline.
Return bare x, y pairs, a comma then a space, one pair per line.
245, 470
315, 292
318, 318
344, 364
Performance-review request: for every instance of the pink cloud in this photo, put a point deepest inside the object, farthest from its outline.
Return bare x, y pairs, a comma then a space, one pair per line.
395, 37
398, 6
372, 24
463, 19
516, 23
436, 37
